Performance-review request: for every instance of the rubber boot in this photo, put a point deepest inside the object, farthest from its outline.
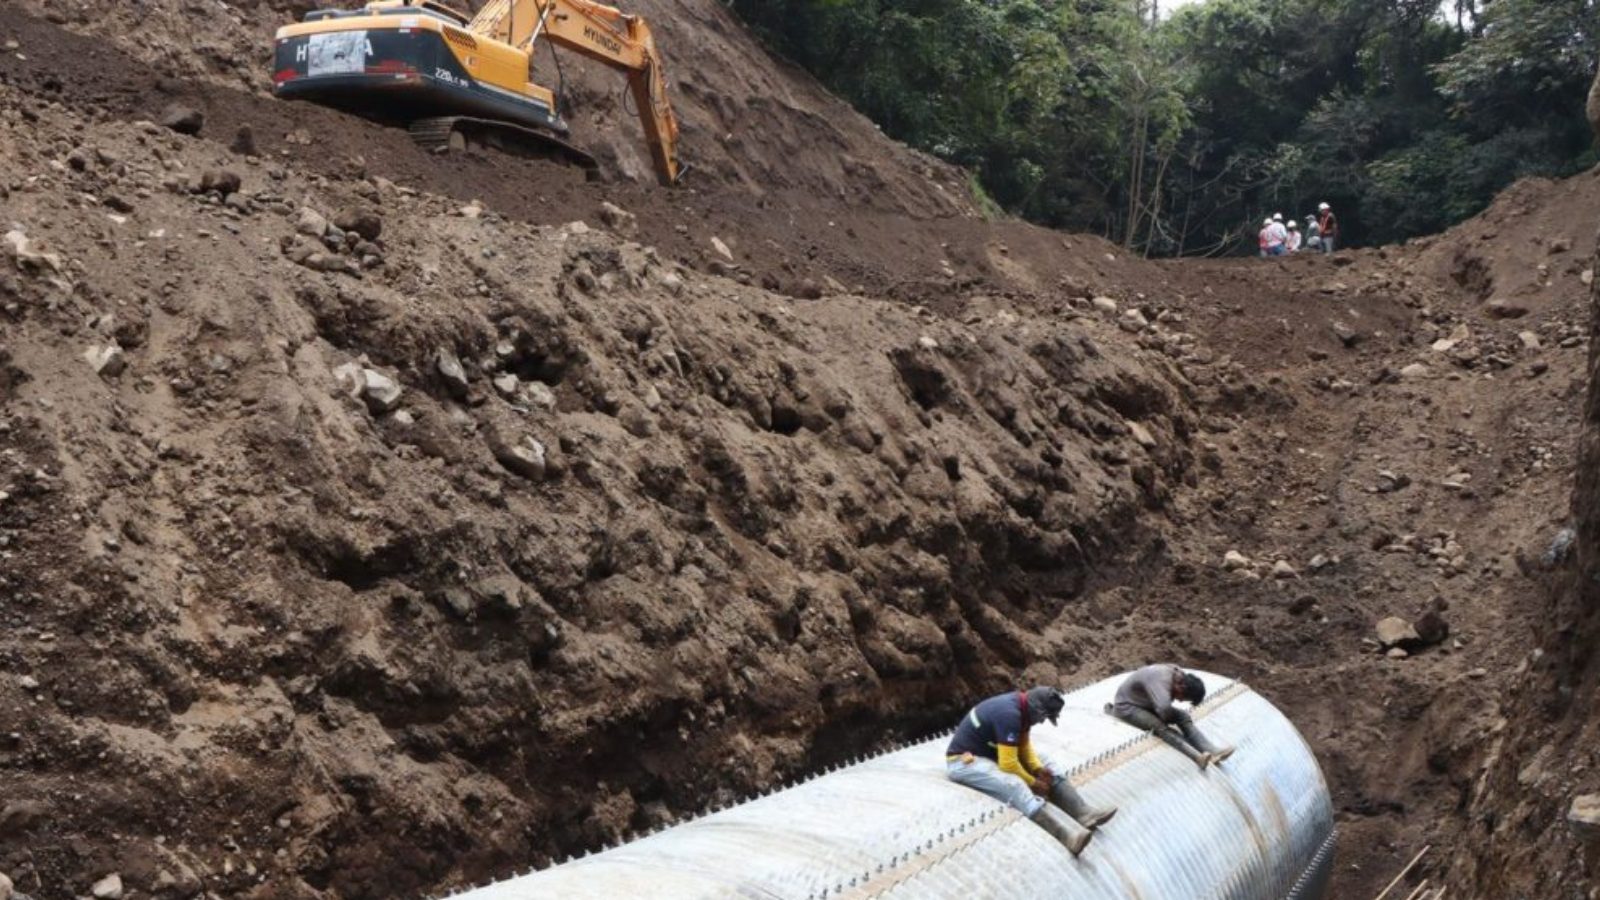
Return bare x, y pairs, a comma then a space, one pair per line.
1063, 828
1195, 738
1064, 795
1182, 746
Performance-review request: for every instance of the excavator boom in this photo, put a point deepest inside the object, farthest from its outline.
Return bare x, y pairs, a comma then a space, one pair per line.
455, 81
602, 33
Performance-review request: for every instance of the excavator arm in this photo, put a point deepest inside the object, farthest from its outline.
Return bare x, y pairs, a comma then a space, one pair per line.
603, 33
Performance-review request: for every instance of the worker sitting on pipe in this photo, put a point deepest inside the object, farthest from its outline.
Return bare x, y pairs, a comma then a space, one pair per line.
1145, 698
990, 752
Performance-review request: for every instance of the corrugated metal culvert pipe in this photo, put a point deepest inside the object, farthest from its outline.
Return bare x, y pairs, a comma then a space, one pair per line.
1260, 827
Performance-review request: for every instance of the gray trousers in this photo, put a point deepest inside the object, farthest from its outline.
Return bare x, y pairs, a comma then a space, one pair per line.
1149, 721
985, 775
1327, 244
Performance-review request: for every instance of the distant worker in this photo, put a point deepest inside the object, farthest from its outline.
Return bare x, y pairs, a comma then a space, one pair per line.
1294, 237
1145, 698
1313, 234
1328, 227
991, 752
1277, 237
1263, 236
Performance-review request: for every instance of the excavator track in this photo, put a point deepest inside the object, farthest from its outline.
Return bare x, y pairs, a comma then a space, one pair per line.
456, 133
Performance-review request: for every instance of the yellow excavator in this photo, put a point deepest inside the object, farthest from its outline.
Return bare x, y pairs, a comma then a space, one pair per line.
456, 82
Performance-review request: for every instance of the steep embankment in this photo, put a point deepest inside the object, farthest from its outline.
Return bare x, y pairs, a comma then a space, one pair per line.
372, 558
796, 499
1417, 409
1534, 805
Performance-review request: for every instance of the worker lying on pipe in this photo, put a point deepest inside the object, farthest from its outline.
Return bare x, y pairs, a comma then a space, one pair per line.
1144, 700
990, 752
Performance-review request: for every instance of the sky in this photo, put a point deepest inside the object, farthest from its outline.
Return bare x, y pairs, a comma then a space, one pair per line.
1168, 7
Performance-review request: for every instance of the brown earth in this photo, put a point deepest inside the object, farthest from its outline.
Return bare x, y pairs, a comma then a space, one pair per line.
263, 638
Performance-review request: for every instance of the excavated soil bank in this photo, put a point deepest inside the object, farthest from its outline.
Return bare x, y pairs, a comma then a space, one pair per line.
292, 609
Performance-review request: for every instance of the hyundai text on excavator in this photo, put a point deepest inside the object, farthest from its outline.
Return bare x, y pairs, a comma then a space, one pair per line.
458, 82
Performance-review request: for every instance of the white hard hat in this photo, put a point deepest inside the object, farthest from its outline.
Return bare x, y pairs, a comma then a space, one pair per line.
1323, 206
1293, 224
1267, 222
1277, 217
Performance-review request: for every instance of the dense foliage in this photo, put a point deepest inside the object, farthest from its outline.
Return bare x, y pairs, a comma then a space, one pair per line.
1178, 134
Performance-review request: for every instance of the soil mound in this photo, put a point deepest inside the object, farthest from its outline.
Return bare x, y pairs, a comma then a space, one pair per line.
372, 524
364, 542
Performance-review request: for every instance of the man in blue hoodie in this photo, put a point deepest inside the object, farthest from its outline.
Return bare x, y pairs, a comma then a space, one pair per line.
991, 752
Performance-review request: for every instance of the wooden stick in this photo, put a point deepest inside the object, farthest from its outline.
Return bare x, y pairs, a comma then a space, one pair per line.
1403, 872
1419, 890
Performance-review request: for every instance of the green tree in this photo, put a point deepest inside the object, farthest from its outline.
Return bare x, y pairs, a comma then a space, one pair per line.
1175, 136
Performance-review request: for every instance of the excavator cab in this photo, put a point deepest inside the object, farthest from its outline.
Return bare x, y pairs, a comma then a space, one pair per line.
456, 82
401, 7
402, 63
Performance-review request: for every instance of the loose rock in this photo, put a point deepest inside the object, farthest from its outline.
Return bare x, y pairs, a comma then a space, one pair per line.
539, 395
636, 420
182, 119
222, 181
721, 248
1431, 628
1104, 304
108, 888
1142, 435
452, 372
1584, 816
20, 247
618, 219
311, 223
244, 142
1394, 631
1389, 482
526, 457
1505, 309
1233, 560
364, 222
107, 361
1457, 335
381, 392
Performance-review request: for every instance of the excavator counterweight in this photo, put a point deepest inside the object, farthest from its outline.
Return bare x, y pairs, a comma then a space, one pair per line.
456, 82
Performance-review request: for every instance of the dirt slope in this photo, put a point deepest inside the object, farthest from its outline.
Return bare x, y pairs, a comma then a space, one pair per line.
1533, 805
365, 650
748, 120
277, 640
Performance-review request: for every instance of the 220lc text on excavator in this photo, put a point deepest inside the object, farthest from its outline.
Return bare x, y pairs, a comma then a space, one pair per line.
456, 81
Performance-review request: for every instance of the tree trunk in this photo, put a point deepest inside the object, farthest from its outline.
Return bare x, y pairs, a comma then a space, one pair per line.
1592, 108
